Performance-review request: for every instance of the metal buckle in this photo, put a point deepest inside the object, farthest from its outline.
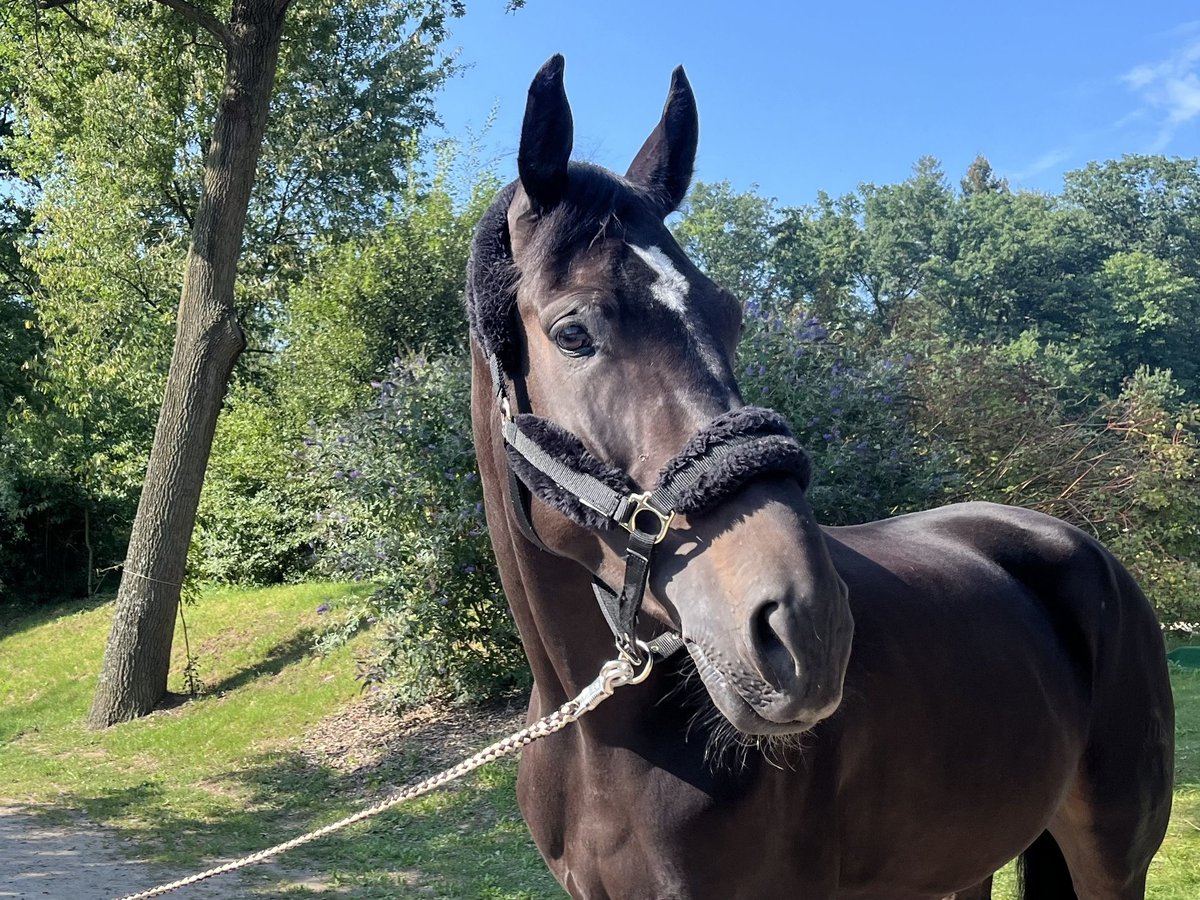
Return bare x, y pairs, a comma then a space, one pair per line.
641, 503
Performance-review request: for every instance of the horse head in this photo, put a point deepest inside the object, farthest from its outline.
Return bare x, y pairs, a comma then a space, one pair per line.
624, 350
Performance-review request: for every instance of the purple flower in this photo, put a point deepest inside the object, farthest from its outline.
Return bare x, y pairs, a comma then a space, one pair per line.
323, 608
468, 569
835, 392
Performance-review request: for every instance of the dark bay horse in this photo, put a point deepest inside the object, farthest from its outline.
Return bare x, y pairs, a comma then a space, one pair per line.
912, 702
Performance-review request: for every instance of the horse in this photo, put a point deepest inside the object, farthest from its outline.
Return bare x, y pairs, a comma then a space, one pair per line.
888, 710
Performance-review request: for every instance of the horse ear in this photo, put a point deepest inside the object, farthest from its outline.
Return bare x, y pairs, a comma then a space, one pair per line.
546, 137
664, 164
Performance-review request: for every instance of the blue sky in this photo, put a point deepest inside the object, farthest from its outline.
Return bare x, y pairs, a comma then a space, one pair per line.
798, 97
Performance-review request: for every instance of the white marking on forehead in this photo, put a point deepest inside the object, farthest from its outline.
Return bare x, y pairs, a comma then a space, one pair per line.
671, 288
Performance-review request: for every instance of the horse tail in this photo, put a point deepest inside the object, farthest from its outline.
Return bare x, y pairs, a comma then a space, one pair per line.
1042, 871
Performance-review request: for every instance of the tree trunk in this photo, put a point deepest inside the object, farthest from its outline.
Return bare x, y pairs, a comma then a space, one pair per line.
208, 341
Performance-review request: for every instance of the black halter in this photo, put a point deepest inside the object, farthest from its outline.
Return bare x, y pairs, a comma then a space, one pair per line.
549, 461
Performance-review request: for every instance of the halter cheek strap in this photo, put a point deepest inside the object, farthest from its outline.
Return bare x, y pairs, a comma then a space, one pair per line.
546, 460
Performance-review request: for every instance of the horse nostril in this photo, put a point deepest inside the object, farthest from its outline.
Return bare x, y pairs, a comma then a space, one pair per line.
774, 657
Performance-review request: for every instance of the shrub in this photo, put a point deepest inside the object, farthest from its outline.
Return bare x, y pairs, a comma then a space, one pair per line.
255, 523
850, 411
1126, 469
407, 513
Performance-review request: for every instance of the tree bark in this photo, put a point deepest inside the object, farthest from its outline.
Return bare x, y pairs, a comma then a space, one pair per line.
208, 341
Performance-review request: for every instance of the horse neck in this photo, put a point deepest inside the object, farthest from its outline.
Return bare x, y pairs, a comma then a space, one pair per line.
562, 630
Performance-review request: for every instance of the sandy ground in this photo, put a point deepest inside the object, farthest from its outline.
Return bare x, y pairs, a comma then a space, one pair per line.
86, 862
83, 862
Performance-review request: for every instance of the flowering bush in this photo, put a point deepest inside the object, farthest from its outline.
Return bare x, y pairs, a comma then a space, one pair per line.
852, 414
407, 514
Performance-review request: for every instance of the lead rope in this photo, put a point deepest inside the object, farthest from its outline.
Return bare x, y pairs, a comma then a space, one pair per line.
614, 674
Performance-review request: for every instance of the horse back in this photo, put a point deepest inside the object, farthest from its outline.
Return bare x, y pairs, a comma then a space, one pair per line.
999, 653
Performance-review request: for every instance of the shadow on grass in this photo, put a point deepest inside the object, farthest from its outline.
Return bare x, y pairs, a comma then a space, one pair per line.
18, 617
296, 648
465, 841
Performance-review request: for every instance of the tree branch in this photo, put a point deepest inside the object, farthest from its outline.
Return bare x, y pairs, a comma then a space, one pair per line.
64, 5
201, 17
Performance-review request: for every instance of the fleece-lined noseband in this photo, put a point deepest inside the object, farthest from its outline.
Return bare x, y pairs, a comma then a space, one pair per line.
549, 462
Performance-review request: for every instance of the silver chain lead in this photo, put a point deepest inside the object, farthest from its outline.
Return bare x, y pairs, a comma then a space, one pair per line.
615, 673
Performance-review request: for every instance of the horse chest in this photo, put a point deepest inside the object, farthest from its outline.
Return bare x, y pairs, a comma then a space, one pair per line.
611, 823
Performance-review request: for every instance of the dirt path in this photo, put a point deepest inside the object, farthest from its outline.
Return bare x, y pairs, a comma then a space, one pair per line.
85, 862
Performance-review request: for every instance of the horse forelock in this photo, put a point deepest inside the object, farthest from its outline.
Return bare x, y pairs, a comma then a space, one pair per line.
592, 209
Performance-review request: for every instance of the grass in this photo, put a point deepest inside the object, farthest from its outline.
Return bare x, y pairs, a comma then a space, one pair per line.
221, 775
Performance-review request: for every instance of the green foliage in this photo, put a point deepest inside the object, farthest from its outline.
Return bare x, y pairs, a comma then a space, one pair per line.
1126, 470
395, 289
819, 252
851, 411
1012, 262
407, 513
1152, 314
729, 236
1041, 330
254, 525
1157, 520
902, 231
1147, 203
107, 125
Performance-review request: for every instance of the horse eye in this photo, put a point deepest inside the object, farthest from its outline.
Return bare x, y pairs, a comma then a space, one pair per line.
573, 339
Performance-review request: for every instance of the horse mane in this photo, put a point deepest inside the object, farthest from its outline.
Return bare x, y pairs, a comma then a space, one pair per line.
595, 201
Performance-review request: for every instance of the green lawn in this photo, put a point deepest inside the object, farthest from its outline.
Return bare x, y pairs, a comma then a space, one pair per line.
221, 775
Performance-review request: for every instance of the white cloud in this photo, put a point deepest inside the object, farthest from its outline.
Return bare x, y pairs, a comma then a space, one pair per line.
1043, 163
1170, 87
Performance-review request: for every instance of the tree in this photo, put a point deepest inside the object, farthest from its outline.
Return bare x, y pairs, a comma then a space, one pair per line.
1148, 315
903, 225
982, 179
111, 126
115, 97
1011, 262
208, 341
1148, 203
386, 293
819, 253
729, 236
